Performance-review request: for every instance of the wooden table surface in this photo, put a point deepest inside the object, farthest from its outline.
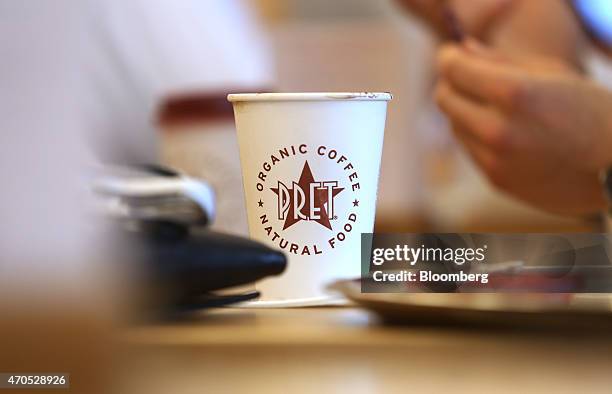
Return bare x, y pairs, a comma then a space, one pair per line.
345, 349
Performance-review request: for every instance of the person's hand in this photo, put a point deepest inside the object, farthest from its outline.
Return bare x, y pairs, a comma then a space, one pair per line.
538, 130
475, 16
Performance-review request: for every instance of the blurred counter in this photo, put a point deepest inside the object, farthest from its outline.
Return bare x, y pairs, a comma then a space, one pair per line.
339, 349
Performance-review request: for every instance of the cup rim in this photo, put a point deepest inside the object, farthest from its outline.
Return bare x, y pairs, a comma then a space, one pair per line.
311, 96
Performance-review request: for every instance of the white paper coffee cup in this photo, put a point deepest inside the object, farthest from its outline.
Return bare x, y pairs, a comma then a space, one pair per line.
310, 167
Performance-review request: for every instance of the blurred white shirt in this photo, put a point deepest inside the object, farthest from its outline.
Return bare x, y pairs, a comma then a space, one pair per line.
143, 50
81, 81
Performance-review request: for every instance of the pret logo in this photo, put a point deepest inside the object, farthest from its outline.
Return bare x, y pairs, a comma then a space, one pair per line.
307, 199
323, 205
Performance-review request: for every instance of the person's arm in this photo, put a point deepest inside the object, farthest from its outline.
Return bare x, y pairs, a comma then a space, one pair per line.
514, 27
541, 28
476, 17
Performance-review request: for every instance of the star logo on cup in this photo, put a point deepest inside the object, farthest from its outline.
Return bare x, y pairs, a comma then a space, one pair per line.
294, 203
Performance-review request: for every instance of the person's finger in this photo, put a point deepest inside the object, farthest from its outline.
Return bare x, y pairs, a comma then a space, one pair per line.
483, 122
487, 160
491, 81
543, 64
472, 45
471, 144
